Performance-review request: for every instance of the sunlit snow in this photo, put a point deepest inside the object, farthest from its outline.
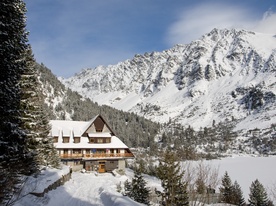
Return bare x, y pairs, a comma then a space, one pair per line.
101, 189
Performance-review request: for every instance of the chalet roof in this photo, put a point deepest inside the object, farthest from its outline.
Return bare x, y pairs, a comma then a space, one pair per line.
92, 121
77, 128
116, 143
67, 128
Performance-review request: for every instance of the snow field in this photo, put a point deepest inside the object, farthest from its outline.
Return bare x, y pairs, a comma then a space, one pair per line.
245, 170
101, 189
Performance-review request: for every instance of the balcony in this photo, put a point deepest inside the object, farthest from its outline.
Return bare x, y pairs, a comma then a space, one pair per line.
96, 156
71, 156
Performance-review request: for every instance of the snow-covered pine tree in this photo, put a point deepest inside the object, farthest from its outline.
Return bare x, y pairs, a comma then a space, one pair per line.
237, 195
15, 158
128, 188
34, 120
139, 192
174, 189
181, 197
226, 190
258, 195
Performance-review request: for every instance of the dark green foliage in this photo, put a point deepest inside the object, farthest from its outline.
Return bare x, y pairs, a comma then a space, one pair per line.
181, 197
226, 189
238, 195
128, 189
185, 140
145, 161
140, 193
15, 158
141, 166
231, 193
34, 119
137, 189
254, 98
258, 195
28, 105
200, 186
263, 141
174, 189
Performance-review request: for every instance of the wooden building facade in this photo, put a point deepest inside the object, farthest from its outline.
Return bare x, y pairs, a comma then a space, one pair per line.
90, 145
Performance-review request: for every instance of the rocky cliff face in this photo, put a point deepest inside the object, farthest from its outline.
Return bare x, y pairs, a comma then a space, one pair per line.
227, 74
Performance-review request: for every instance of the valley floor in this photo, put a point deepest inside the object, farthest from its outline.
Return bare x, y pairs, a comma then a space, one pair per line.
101, 190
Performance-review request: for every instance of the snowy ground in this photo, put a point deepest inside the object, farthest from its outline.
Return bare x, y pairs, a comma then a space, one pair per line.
246, 169
84, 189
101, 189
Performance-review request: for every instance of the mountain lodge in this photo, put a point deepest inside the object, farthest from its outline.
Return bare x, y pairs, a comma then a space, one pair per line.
90, 145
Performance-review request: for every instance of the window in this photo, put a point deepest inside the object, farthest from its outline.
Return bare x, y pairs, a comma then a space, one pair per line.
99, 130
76, 151
65, 139
99, 140
76, 139
55, 139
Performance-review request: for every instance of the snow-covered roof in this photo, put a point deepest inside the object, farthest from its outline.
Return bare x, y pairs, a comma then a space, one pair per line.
89, 123
67, 128
115, 143
71, 129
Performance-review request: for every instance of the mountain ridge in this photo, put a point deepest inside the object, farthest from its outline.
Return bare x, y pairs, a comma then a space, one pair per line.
227, 74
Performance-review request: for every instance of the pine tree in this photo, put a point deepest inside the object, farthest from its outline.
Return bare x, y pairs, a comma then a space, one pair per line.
258, 195
174, 189
200, 186
226, 190
15, 158
181, 197
128, 188
237, 195
139, 192
34, 120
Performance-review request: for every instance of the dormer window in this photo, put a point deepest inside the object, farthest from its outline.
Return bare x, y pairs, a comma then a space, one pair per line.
76, 139
91, 140
65, 139
99, 130
99, 140
55, 140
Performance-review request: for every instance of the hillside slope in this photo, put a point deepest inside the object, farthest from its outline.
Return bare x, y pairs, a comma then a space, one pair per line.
225, 75
64, 104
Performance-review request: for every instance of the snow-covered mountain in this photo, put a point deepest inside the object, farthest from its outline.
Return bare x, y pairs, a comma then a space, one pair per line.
225, 75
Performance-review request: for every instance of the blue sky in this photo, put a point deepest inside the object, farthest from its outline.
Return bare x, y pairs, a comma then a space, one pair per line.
69, 35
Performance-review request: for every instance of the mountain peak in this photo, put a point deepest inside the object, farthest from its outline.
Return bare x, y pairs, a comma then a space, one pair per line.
194, 84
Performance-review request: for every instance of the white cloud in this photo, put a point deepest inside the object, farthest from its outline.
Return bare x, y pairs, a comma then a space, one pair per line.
195, 22
267, 24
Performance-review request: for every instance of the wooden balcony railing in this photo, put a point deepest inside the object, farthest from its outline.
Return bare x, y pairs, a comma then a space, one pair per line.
95, 155
71, 156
